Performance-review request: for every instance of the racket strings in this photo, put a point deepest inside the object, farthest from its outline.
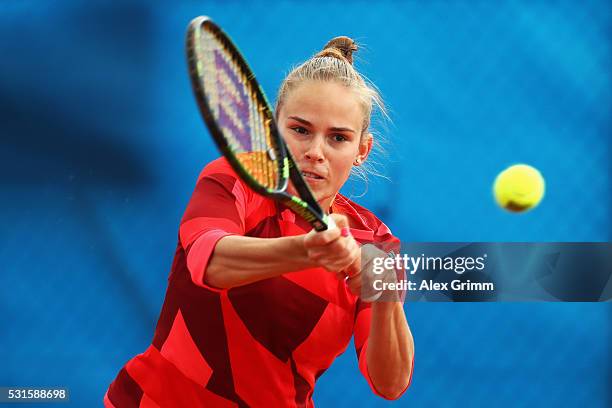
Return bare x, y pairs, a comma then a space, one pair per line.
242, 119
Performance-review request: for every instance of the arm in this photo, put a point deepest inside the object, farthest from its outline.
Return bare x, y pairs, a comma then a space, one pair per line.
239, 260
381, 328
390, 349
265, 258
212, 232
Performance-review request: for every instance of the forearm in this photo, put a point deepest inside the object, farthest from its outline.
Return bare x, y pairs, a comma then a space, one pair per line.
239, 260
390, 349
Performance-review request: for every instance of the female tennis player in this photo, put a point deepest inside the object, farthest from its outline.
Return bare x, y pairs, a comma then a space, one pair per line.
258, 305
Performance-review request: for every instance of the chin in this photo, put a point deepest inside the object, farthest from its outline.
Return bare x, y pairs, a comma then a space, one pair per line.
318, 190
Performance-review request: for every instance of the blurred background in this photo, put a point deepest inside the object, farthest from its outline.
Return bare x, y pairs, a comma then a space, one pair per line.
101, 145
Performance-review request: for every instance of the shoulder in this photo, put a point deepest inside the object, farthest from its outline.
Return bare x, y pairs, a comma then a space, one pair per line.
218, 184
363, 221
220, 172
219, 166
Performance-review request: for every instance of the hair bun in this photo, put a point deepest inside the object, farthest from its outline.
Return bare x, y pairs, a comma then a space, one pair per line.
340, 47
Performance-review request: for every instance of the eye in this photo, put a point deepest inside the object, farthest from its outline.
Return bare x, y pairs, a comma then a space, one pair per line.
299, 129
339, 137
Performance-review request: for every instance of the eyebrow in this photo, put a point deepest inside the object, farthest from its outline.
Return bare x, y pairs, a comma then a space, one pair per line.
307, 123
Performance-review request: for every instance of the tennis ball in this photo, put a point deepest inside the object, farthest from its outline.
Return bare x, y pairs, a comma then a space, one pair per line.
519, 188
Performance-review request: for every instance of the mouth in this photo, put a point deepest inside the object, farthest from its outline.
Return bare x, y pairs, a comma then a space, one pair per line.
309, 175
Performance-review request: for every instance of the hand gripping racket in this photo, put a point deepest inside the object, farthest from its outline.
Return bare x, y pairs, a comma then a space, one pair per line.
241, 121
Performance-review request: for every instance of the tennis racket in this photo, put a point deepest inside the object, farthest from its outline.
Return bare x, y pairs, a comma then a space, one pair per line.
242, 123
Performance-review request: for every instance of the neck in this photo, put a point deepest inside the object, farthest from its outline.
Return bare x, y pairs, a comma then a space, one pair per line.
326, 203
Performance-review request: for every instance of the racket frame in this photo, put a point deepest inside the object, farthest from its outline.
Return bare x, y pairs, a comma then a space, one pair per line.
305, 205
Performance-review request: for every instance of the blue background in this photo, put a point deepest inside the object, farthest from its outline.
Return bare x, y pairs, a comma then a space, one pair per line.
102, 143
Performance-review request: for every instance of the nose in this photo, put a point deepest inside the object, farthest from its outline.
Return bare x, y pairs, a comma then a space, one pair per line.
314, 150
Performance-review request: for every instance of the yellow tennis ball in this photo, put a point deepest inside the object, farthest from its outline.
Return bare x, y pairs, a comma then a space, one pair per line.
519, 188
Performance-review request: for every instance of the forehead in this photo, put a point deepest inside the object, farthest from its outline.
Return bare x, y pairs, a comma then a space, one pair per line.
318, 101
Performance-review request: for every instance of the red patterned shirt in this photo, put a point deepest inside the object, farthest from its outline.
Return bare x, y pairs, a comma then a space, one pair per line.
263, 344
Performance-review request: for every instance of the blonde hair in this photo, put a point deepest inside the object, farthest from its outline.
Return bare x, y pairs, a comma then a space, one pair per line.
335, 64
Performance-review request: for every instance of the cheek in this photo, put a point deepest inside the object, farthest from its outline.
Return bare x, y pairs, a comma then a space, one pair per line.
341, 166
293, 145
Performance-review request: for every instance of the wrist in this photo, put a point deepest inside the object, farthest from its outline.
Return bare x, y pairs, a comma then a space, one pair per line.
298, 252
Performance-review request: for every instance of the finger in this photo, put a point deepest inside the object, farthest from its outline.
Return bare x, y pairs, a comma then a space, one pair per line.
354, 267
350, 264
341, 251
315, 239
331, 253
341, 247
338, 255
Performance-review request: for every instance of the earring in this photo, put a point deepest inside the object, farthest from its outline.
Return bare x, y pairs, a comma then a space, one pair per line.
357, 162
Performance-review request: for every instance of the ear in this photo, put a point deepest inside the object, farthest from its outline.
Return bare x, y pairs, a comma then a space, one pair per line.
365, 147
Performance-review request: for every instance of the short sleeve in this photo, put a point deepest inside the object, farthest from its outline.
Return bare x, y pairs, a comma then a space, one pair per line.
216, 209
